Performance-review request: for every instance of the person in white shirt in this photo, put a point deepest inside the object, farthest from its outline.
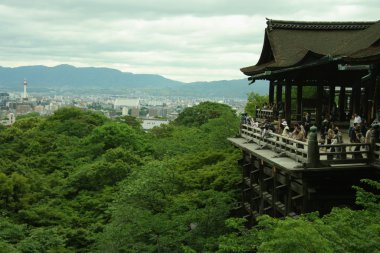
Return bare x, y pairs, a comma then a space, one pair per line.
285, 131
357, 119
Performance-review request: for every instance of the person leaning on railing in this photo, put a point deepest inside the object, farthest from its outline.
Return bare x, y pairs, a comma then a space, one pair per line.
285, 130
299, 135
337, 139
306, 122
329, 138
359, 139
368, 136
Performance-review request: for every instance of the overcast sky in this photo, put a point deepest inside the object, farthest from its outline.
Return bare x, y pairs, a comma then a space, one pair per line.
196, 40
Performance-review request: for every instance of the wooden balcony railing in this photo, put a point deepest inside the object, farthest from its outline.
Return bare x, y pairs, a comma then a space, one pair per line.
345, 153
262, 114
292, 148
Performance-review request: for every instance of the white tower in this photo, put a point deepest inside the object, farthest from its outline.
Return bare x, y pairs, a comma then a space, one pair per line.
25, 96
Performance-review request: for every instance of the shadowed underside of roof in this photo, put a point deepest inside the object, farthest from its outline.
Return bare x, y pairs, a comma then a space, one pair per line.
290, 43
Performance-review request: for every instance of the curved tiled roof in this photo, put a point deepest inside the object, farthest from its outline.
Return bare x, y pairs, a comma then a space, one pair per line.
288, 43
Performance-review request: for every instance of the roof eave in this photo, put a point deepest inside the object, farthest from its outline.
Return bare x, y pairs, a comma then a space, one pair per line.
266, 74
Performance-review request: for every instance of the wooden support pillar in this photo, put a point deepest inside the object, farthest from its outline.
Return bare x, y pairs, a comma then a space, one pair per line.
274, 192
366, 102
288, 101
377, 97
305, 197
356, 97
318, 116
280, 107
342, 103
299, 102
331, 100
288, 198
271, 92
262, 186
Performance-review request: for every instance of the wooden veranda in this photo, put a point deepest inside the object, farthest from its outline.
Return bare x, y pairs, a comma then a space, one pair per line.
341, 61
282, 177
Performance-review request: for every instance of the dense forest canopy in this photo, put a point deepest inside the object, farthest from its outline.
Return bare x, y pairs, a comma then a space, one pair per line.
79, 182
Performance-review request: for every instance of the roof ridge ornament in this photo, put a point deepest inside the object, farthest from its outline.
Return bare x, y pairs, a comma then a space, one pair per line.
317, 25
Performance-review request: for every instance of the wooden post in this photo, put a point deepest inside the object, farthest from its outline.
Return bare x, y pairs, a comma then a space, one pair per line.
318, 117
313, 159
331, 99
280, 106
305, 196
377, 97
271, 92
274, 195
262, 187
368, 90
288, 200
288, 101
299, 102
356, 97
342, 103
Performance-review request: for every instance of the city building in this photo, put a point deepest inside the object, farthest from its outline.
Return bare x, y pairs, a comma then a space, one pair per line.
150, 123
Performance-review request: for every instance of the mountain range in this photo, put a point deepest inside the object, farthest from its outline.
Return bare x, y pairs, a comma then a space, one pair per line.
90, 79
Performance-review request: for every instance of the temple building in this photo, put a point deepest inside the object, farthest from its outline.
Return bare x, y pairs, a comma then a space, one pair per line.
341, 60
339, 64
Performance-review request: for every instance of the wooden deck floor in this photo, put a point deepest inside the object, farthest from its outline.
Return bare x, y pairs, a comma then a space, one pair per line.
267, 155
284, 162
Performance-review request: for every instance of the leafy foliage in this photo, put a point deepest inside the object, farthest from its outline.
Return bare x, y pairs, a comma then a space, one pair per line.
79, 182
343, 230
255, 100
200, 114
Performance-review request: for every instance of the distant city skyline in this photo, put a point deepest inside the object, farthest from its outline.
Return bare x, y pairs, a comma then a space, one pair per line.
181, 40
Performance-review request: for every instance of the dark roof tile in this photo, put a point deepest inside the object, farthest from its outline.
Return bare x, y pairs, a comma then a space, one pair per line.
288, 43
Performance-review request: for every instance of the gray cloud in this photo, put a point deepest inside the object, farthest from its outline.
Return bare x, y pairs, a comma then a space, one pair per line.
184, 40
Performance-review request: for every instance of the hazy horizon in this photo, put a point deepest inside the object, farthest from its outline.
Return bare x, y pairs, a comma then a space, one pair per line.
184, 41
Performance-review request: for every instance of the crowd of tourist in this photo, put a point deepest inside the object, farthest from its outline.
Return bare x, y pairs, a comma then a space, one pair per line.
330, 134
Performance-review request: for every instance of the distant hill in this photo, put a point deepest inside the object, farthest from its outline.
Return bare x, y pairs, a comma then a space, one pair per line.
226, 88
67, 77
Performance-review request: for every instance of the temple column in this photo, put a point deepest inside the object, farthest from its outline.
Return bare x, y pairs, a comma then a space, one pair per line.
288, 101
342, 103
318, 116
299, 102
356, 97
279, 98
367, 102
377, 97
331, 101
271, 92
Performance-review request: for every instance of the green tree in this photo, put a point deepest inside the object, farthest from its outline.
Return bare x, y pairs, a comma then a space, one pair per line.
200, 114
255, 100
